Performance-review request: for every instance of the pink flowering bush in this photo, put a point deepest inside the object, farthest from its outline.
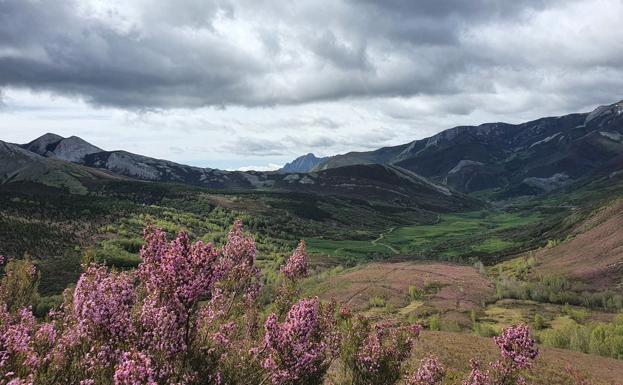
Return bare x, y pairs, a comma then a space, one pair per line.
476, 375
518, 351
373, 354
296, 267
102, 304
430, 372
517, 347
134, 368
300, 349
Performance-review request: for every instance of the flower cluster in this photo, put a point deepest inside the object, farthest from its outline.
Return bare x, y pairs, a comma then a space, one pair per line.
178, 270
134, 368
238, 264
25, 345
299, 348
296, 267
476, 376
517, 352
430, 372
102, 303
517, 345
374, 354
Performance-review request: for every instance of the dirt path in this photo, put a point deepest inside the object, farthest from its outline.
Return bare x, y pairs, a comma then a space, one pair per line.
381, 236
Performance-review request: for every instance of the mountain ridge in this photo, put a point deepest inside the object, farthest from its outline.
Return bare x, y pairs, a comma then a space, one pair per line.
368, 183
507, 156
304, 163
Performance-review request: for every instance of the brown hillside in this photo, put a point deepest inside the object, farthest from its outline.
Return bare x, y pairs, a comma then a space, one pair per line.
456, 349
594, 254
449, 289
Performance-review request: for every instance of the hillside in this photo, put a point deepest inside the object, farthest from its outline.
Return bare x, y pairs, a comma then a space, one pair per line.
377, 183
593, 252
516, 159
455, 350
20, 165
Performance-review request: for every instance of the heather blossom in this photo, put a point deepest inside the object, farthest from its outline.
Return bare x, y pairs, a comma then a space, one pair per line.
241, 275
102, 303
134, 368
430, 372
517, 345
299, 350
177, 270
476, 375
162, 328
517, 350
373, 354
296, 267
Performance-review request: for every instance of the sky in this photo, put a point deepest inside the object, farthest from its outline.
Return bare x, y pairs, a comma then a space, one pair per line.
239, 84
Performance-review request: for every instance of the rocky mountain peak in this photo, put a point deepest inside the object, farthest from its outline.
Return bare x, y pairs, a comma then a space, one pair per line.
72, 149
303, 163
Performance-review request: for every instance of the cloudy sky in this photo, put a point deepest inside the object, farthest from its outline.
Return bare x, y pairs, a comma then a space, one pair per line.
239, 83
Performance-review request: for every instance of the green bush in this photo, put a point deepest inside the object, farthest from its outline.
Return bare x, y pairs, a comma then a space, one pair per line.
377, 301
604, 339
415, 293
484, 330
434, 323
539, 322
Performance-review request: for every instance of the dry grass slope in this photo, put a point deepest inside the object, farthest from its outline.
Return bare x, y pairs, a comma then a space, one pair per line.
594, 254
456, 349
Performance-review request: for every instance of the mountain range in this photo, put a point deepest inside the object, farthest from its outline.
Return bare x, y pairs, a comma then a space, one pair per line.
515, 159
74, 164
504, 159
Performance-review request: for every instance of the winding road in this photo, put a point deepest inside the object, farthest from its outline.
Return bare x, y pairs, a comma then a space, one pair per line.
381, 236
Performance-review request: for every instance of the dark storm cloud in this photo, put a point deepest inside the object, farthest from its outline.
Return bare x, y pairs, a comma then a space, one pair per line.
142, 55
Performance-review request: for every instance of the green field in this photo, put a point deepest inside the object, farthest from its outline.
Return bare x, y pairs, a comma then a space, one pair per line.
349, 249
454, 237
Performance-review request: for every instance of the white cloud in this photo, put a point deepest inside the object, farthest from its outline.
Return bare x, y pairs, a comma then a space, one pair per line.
268, 167
229, 83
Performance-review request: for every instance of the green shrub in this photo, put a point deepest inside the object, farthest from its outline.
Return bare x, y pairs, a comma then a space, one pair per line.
604, 339
539, 322
434, 323
376, 301
415, 293
484, 330
20, 284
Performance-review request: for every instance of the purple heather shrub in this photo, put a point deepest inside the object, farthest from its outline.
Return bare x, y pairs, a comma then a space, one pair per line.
296, 267
517, 346
242, 276
163, 328
373, 354
134, 368
476, 375
178, 270
430, 372
299, 349
102, 304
